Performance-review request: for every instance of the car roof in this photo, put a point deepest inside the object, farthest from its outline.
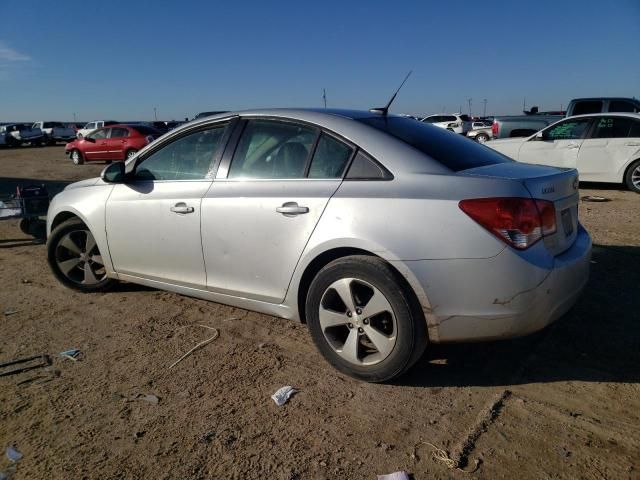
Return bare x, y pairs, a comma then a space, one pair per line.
605, 98
607, 114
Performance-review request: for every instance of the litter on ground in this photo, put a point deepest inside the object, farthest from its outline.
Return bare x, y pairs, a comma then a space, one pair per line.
283, 394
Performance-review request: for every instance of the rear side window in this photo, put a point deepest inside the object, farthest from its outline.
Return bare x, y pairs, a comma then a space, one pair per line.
465, 118
622, 106
119, 132
432, 119
448, 118
453, 151
612, 127
272, 150
635, 129
587, 106
330, 158
365, 168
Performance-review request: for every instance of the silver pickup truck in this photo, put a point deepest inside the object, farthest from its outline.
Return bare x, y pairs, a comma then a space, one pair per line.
534, 121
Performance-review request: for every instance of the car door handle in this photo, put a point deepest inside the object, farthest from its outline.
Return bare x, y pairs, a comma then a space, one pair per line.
292, 208
632, 144
182, 208
573, 145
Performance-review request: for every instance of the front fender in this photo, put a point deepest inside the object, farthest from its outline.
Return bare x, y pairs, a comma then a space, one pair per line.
89, 205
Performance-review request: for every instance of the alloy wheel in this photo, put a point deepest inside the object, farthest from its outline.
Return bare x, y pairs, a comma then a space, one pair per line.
358, 321
635, 177
78, 258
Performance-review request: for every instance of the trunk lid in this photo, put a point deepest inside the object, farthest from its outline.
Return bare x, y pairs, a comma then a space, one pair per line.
556, 185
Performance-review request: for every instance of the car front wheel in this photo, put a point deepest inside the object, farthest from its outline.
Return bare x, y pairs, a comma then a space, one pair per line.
75, 259
364, 320
76, 157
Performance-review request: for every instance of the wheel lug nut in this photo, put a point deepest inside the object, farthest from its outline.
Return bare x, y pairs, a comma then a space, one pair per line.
350, 325
360, 330
349, 314
366, 321
358, 311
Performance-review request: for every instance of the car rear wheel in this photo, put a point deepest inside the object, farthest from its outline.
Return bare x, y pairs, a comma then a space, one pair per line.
75, 259
632, 178
130, 153
76, 157
482, 138
364, 320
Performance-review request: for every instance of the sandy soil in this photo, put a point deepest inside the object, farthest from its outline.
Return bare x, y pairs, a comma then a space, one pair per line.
564, 403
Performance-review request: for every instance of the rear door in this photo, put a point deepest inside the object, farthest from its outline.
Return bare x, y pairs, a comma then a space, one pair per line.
557, 145
264, 204
612, 143
116, 143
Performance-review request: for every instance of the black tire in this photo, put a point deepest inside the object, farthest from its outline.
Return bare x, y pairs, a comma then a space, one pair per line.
481, 138
76, 157
130, 153
633, 174
410, 334
75, 228
25, 226
11, 142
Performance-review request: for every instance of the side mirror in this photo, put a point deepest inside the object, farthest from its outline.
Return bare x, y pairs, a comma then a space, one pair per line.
113, 173
539, 136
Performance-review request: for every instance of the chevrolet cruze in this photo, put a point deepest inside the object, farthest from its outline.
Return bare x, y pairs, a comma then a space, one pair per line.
380, 232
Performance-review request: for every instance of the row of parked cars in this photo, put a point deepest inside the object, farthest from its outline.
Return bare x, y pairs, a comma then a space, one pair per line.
50, 133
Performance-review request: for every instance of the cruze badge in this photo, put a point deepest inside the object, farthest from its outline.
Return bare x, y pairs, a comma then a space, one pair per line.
548, 190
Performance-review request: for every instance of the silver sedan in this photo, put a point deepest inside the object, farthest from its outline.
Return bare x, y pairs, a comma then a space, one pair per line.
381, 233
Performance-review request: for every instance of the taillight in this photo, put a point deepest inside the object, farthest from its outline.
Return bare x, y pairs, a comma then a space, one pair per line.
519, 222
494, 129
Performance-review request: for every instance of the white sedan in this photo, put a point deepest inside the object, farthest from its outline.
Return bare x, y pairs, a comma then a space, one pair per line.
603, 147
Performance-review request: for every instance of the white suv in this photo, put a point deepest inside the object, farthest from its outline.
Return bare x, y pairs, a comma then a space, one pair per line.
456, 122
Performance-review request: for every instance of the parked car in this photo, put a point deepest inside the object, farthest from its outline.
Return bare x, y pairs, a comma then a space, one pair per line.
581, 106
458, 123
334, 217
17, 134
92, 126
117, 142
602, 147
55, 132
480, 132
513, 126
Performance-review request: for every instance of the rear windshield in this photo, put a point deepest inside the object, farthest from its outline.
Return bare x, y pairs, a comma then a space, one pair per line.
450, 149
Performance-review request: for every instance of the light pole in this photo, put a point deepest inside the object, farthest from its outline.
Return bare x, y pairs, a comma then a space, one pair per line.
155, 114
484, 109
469, 101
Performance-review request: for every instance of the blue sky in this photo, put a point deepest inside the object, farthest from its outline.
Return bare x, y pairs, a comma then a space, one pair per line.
120, 59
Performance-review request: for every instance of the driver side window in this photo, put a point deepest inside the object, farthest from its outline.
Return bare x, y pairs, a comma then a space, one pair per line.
567, 130
99, 134
186, 158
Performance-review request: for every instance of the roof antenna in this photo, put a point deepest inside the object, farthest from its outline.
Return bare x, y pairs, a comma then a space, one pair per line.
385, 110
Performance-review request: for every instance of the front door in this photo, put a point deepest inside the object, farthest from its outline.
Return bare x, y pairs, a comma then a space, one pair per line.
153, 221
263, 207
95, 145
558, 145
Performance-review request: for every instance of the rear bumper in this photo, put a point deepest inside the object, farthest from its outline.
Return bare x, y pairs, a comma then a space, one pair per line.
506, 296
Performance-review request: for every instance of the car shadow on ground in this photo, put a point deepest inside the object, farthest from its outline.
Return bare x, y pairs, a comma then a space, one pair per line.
598, 340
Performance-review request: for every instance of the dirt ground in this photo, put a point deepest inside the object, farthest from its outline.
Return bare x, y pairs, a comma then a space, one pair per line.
561, 404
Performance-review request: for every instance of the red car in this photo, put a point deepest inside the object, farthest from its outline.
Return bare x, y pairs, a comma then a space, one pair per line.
115, 142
